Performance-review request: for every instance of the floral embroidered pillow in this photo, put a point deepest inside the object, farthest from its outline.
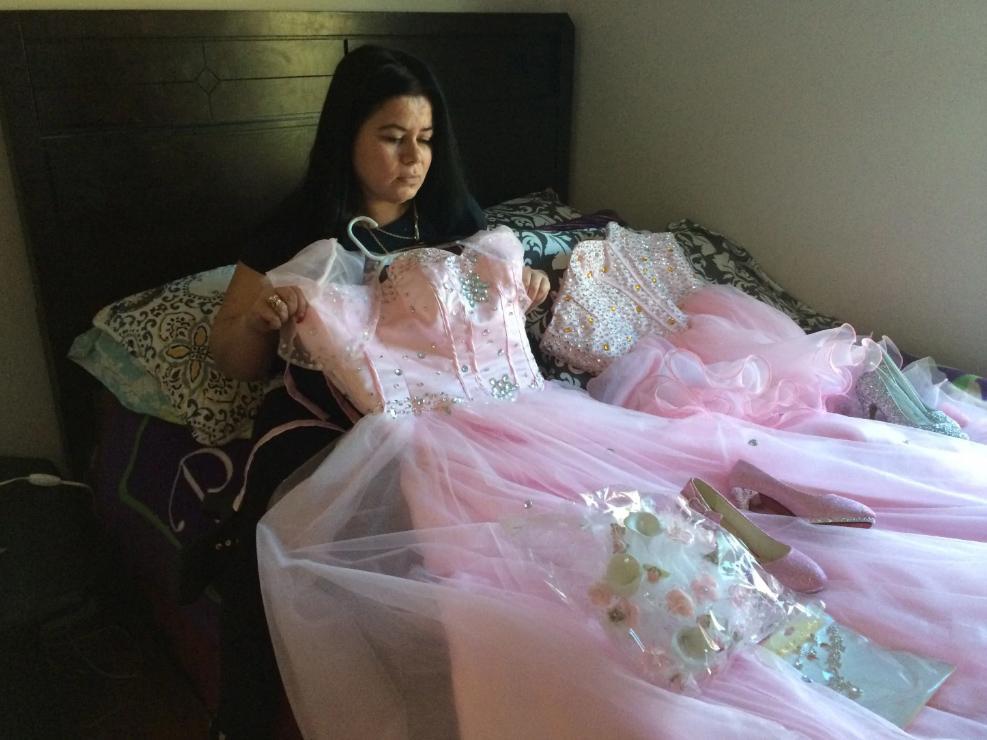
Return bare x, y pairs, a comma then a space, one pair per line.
166, 330
112, 365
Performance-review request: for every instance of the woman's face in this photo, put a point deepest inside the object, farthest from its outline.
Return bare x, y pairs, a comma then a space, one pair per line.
392, 153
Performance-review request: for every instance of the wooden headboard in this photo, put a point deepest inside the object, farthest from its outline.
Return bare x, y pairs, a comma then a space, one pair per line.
145, 144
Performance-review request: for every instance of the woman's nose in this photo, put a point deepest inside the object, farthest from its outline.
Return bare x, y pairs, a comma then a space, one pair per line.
411, 152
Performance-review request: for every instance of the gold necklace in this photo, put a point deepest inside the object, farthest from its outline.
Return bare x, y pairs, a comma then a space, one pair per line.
415, 236
386, 250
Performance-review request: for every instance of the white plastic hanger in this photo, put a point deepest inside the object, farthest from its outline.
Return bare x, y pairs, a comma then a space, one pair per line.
383, 259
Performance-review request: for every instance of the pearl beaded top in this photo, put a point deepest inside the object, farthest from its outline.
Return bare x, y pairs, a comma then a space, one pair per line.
615, 291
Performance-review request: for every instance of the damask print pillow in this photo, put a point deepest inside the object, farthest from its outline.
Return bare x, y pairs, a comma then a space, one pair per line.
166, 331
720, 260
531, 211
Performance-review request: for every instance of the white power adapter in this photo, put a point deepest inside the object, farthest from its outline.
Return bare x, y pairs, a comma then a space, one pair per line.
45, 480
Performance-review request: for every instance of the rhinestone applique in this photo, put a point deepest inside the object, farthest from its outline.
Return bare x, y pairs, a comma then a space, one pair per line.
503, 388
474, 290
420, 404
293, 352
831, 667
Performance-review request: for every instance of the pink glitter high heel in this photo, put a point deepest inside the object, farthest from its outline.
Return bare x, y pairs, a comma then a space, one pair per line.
749, 483
790, 566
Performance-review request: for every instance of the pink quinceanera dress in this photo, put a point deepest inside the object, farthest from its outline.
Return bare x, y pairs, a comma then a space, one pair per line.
397, 574
632, 311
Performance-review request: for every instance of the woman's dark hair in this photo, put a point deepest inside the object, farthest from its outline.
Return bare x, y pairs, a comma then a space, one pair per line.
364, 79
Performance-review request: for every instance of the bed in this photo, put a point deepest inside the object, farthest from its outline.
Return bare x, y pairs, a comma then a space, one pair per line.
146, 144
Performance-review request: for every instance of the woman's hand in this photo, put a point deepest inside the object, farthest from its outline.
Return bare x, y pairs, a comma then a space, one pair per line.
244, 333
536, 285
273, 307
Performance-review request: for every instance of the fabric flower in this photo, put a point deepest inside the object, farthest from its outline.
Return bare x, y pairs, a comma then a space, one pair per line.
600, 594
654, 573
703, 587
624, 613
678, 602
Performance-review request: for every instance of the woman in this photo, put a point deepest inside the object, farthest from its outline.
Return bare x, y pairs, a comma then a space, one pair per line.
384, 149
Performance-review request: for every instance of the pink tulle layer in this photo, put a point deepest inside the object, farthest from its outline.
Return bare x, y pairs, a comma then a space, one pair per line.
401, 608
739, 357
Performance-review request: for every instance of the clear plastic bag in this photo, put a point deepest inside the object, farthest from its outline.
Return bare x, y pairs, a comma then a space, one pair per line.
891, 683
675, 593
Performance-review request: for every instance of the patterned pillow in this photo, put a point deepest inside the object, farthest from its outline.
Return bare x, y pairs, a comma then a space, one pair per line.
531, 211
113, 366
720, 260
166, 330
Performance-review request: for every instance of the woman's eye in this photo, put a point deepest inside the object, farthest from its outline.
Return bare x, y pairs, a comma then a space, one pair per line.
398, 140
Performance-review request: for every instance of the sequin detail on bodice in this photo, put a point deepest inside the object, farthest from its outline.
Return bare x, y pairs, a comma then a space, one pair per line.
442, 329
615, 291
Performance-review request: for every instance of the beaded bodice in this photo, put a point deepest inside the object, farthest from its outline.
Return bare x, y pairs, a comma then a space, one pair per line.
441, 329
615, 291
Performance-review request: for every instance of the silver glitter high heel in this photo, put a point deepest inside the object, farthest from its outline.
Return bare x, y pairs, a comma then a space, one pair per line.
887, 395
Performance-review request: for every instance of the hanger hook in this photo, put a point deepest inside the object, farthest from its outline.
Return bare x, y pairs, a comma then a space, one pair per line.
373, 225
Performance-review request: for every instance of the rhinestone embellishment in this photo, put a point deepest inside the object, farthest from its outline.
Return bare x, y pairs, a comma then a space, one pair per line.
474, 290
600, 317
503, 388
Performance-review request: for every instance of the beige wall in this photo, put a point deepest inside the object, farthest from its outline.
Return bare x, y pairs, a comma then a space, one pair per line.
843, 140
28, 426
